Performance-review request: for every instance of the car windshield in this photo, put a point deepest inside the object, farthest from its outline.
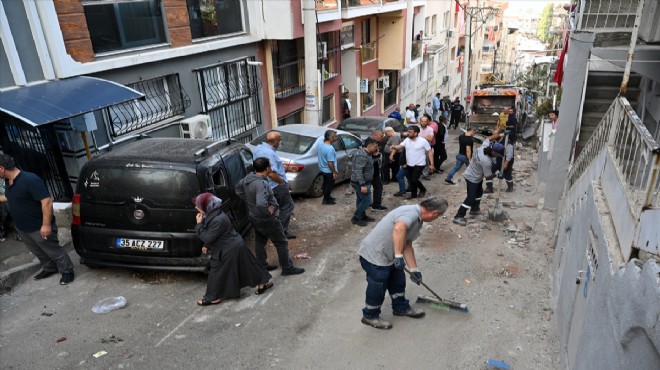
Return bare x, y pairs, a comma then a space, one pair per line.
358, 126
291, 143
153, 186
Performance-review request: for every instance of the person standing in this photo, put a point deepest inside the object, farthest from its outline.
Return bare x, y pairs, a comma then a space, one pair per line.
346, 106
232, 265
417, 152
411, 117
507, 166
480, 167
31, 207
464, 155
361, 176
436, 107
396, 114
263, 213
386, 251
393, 138
377, 181
456, 113
512, 125
327, 157
428, 109
426, 132
440, 149
277, 178
446, 106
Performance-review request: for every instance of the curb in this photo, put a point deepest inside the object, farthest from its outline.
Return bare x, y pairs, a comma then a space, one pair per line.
13, 277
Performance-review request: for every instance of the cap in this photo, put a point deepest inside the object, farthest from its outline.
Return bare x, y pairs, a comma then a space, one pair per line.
388, 128
498, 148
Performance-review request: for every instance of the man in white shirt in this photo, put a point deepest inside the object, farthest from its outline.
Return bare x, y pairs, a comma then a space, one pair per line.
418, 151
410, 114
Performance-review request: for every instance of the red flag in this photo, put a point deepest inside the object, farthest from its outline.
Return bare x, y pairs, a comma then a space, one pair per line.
559, 73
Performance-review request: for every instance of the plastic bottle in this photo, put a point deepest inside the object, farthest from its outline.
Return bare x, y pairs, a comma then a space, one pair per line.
109, 304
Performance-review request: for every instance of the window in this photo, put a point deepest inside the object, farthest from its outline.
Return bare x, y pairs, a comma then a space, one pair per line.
389, 94
431, 66
368, 98
288, 67
164, 98
366, 31
332, 63
328, 111
119, 25
214, 17
427, 26
445, 20
347, 37
434, 24
453, 54
350, 142
368, 48
291, 118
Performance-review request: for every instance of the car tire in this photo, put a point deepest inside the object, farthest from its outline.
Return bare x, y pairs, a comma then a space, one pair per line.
316, 188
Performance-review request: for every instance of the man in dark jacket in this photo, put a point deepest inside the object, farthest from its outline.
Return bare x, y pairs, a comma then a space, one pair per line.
361, 177
263, 212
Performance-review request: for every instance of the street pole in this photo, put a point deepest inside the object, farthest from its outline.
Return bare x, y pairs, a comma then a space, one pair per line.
312, 103
466, 59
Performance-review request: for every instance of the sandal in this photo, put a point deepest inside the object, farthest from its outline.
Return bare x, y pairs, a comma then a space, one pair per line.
264, 288
205, 302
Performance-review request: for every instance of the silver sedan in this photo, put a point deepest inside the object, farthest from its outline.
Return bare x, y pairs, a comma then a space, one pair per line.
298, 151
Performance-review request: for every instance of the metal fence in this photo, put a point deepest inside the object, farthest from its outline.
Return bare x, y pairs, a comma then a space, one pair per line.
636, 155
606, 15
164, 98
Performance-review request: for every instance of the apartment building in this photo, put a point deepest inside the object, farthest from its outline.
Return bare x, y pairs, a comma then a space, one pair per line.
80, 75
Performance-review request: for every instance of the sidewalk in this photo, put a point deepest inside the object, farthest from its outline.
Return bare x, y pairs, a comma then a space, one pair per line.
17, 264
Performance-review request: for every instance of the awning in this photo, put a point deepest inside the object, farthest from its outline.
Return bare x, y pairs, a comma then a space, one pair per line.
53, 101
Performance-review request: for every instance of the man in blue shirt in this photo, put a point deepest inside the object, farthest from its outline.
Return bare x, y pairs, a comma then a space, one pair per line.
436, 107
277, 178
328, 165
31, 207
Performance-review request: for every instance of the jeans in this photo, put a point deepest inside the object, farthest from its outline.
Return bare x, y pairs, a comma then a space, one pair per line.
285, 203
328, 183
379, 280
461, 159
271, 229
415, 174
401, 178
472, 200
362, 201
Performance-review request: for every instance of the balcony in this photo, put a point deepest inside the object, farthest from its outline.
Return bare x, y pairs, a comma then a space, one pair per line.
327, 5
368, 52
417, 50
361, 8
606, 15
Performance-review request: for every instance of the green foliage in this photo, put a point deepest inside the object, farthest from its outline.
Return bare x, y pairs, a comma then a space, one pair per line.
544, 24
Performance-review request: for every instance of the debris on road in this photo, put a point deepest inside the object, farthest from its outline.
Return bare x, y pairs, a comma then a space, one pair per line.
498, 364
302, 256
46, 314
100, 354
60, 340
111, 339
109, 304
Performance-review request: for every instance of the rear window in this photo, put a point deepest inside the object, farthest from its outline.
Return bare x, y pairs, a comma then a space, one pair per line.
291, 143
492, 104
156, 187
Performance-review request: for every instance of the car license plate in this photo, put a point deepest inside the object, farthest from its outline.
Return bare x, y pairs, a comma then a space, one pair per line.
140, 244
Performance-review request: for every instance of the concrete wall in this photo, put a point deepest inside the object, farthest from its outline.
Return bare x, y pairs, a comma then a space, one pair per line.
575, 75
610, 319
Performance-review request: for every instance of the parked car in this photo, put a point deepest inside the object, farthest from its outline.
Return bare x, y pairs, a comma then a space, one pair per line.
364, 126
133, 205
298, 151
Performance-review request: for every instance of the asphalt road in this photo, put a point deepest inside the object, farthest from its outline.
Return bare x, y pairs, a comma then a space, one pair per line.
306, 321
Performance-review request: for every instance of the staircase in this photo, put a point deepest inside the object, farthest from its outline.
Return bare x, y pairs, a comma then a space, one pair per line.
602, 88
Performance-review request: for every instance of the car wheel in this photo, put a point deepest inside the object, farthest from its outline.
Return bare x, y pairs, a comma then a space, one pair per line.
316, 188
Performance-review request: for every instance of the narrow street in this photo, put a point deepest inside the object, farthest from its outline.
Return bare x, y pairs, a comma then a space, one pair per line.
501, 271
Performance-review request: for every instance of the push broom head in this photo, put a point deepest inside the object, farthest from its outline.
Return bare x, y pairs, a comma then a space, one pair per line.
441, 304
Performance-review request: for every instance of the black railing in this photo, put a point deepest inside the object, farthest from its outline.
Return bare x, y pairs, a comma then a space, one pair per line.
230, 96
164, 98
37, 150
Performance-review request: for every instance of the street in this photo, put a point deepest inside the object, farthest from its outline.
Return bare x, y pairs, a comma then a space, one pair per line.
501, 271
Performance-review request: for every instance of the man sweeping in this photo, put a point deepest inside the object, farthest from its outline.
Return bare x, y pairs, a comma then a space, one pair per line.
386, 251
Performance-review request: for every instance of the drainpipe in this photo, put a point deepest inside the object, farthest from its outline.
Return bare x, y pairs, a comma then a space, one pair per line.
631, 50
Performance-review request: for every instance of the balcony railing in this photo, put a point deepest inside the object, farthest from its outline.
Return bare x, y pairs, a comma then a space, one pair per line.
354, 3
606, 15
368, 52
417, 50
635, 153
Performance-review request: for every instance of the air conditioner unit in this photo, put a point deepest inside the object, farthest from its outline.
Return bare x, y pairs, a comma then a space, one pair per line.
450, 33
445, 79
197, 127
322, 49
383, 83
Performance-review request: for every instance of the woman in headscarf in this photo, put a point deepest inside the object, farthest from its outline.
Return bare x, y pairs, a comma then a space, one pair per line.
232, 264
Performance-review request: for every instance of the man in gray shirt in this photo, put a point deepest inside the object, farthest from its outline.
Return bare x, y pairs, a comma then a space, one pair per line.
480, 167
386, 251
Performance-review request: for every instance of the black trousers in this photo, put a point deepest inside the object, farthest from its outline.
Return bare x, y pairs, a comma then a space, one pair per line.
328, 184
472, 201
439, 154
415, 174
392, 168
454, 120
377, 185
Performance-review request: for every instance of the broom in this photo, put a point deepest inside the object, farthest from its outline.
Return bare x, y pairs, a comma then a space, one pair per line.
436, 301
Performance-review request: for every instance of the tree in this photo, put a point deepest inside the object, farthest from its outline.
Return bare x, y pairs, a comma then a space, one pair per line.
544, 24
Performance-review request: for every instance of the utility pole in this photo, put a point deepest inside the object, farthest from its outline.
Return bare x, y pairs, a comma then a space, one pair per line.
312, 102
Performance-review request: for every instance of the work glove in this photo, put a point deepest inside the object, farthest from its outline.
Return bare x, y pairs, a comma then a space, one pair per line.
500, 175
416, 276
399, 262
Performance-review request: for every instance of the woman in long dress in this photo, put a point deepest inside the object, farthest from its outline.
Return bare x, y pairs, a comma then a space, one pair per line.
232, 264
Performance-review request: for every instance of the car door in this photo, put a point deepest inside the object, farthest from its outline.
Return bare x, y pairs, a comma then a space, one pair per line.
236, 168
351, 144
